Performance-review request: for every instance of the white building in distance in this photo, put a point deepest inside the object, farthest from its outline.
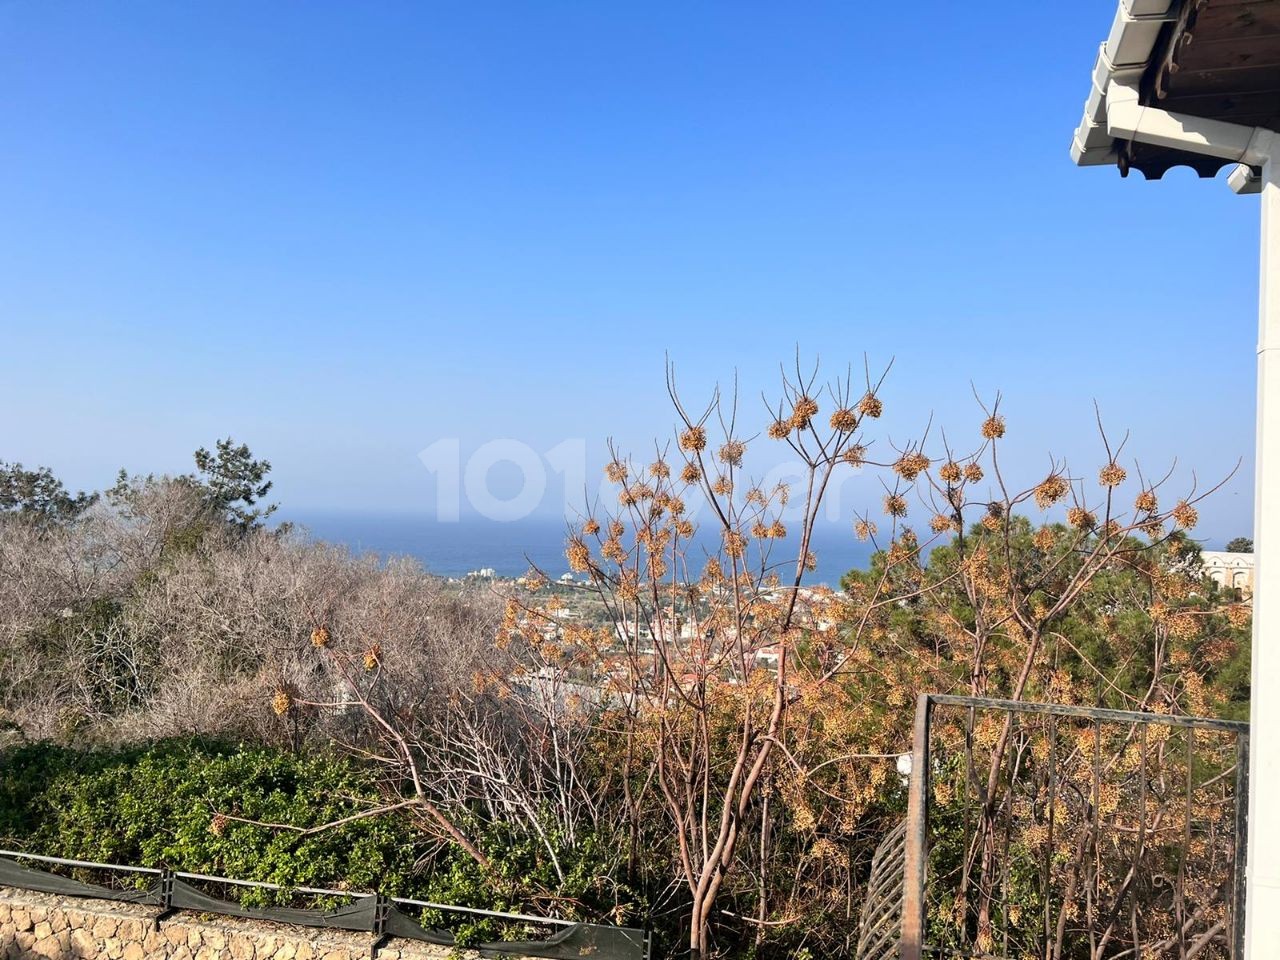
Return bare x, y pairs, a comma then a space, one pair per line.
1230, 571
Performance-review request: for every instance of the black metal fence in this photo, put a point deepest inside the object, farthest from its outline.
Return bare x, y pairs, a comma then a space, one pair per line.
381, 916
1065, 832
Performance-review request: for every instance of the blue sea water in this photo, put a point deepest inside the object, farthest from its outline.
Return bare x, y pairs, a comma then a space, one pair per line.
455, 549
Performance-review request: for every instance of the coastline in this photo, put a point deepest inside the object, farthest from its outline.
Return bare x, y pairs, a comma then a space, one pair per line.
508, 548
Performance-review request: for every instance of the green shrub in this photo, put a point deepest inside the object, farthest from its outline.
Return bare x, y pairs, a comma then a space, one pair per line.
158, 805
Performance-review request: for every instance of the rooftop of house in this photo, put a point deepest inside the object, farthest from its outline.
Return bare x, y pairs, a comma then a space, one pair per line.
1210, 59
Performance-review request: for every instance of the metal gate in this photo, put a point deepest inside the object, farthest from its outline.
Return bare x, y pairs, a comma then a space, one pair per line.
1064, 832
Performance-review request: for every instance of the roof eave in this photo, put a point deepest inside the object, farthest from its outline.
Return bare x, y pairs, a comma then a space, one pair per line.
1125, 56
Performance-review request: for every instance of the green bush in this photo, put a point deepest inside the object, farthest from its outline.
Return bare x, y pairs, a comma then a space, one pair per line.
158, 805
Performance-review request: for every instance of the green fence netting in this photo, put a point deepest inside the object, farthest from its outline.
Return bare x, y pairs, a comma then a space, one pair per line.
367, 913
359, 916
580, 940
15, 875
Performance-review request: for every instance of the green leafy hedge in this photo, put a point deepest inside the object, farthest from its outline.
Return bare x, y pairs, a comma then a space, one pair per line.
158, 805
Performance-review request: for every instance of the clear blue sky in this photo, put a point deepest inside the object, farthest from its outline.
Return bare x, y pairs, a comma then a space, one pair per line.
342, 231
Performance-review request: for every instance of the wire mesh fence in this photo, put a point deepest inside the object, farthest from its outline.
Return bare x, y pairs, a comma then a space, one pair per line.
1065, 832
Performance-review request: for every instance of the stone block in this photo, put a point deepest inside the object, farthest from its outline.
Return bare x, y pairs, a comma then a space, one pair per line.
105, 926
241, 947
83, 943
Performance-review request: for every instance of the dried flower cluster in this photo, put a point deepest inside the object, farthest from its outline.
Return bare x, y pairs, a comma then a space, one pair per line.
911, 465
281, 703
1112, 475
694, 439
1050, 490
802, 414
844, 420
993, 427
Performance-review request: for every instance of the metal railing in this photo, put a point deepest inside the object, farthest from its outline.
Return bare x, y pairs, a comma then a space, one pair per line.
1066, 832
372, 912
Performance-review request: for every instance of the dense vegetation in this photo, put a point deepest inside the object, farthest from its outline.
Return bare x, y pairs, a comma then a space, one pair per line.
719, 759
158, 804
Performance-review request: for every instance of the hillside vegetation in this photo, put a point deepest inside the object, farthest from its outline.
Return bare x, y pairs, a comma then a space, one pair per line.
719, 759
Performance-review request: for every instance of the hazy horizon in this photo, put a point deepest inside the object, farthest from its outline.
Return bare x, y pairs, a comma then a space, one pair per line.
344, 261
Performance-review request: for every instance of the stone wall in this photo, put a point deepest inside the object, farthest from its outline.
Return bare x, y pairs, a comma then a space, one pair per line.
40, 925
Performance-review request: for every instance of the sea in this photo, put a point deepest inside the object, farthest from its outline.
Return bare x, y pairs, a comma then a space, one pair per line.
454, 549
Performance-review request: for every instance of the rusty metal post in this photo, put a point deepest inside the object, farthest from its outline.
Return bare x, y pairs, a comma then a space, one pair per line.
913, 903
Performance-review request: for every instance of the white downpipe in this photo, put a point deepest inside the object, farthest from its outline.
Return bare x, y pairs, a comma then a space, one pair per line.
1262, 908
1127, 118
1242, 180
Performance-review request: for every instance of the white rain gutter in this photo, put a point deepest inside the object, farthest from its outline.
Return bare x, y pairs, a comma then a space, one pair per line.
1123, 56
1128, 119
1122, 60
